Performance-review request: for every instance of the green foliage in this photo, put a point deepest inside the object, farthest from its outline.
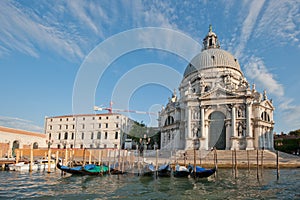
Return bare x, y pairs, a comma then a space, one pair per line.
287, 145
138, 131
296, 132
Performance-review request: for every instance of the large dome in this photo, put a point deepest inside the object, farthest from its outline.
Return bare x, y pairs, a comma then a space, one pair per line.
211, 58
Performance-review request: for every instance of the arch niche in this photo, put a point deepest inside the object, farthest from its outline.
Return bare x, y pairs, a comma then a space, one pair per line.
16, 145
217, 130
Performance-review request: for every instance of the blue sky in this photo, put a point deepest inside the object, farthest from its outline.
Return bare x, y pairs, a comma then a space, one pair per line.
43, 45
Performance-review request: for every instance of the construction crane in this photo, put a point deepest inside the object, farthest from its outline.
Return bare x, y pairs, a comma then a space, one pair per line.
110, 110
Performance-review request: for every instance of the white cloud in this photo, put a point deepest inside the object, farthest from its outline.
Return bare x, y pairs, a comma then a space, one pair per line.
248, 25
17, 123
23, 30
256, 70
280, 23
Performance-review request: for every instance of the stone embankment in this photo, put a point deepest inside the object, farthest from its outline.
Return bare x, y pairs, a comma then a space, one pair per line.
229, 158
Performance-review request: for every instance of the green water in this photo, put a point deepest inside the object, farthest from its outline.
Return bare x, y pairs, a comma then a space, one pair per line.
40, 185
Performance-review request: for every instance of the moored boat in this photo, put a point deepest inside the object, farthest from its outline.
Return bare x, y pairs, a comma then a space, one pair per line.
90, 169
202, 172
164, 170
181, 171
148, 170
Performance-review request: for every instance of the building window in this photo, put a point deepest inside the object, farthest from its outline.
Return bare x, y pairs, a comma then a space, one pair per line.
73, 126
116, 135
82, 136
83, 126
83, 118
92, 135
116, 146
73, 118
117, 125
59, 136
99, 125
99, 135
67, 126
66, 135
60, 119
106, 125
93, 118
91, 145
105, 146
67, 119
49, 136
72, 136
107, 117
58, 146
99, 117
50, 127
81, 146
59, 127
105, 137
51, 120
117, 116
71, 146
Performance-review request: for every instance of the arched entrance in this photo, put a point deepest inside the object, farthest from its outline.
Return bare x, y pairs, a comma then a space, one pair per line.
16, 145
217, 130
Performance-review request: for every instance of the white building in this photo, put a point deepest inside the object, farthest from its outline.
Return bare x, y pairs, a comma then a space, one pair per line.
216, 106
87, 130
11, 139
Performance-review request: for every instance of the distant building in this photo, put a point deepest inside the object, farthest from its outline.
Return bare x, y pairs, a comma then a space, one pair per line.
87, 130
216, 107
11, 139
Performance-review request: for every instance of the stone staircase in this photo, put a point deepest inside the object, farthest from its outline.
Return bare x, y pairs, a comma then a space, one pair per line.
226, 158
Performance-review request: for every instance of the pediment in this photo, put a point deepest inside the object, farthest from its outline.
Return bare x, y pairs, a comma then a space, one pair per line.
267, 103
218, 93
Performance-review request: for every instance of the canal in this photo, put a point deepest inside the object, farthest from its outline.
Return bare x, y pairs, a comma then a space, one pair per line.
41, 185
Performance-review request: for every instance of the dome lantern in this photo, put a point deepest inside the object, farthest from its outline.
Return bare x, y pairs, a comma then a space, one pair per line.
211, 40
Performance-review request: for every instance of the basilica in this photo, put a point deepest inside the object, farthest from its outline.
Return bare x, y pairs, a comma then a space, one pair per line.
216, 107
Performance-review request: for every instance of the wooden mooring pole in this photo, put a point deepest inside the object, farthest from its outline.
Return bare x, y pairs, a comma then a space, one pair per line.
49, 160
235, 164
31, 158
262, 162
277, 164
257, 165
248, 160
194, 162
156, 163
232, 161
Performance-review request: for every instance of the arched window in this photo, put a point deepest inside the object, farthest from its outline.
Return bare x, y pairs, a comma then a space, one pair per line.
66, 135
169, 120
265, 116
35, 145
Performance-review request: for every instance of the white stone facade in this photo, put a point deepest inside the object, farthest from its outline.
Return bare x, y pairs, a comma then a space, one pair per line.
216, 106
87, 130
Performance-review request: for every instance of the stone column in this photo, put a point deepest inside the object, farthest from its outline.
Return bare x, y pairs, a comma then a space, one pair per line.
233, 130
206, 128
189, 123
228, 129
272, 139
262, 137
202, 123
249, 132
234, 144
